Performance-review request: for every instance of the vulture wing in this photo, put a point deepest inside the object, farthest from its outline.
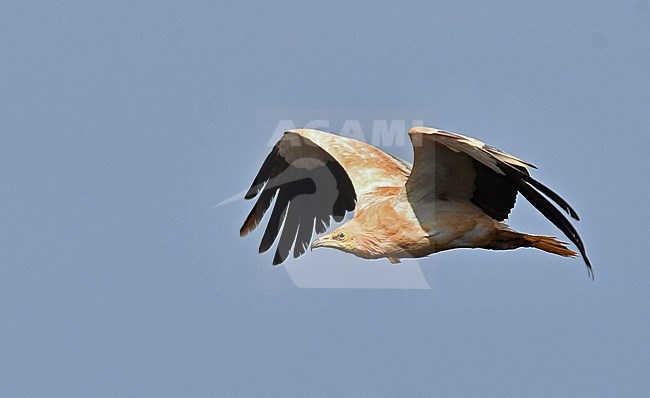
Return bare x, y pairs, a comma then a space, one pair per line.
448, 165
315, 176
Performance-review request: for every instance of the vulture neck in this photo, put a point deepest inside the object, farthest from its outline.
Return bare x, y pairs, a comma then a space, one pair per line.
370, 242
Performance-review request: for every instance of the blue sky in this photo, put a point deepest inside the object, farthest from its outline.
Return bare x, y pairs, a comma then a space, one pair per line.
123, 125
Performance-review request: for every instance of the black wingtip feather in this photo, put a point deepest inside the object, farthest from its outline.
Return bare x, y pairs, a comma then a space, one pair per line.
551, 213
258, 211
275, 222
277, 259
253, 191
548, 192
303, 237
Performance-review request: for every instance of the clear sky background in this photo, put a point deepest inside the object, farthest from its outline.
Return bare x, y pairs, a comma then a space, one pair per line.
123, 125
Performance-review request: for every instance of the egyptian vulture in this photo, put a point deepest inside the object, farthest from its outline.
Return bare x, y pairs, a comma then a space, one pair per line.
456, 194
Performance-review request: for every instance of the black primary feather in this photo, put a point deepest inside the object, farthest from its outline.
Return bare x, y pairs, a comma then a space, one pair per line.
305, 200
549, 211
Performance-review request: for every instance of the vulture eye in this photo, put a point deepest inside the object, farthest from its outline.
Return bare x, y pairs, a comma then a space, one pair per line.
341, 235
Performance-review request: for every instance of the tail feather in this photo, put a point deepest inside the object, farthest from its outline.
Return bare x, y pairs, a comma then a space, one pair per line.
508, 240
549, 244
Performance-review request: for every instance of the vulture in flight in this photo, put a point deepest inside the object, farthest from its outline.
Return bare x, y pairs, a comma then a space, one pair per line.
456, 194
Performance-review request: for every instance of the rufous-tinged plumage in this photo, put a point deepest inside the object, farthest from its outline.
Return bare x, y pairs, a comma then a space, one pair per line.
457, 194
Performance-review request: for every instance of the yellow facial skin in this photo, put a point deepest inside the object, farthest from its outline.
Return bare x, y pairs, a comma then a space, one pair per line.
340, 239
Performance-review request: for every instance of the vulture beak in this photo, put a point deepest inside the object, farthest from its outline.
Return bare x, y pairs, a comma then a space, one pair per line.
321, 242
